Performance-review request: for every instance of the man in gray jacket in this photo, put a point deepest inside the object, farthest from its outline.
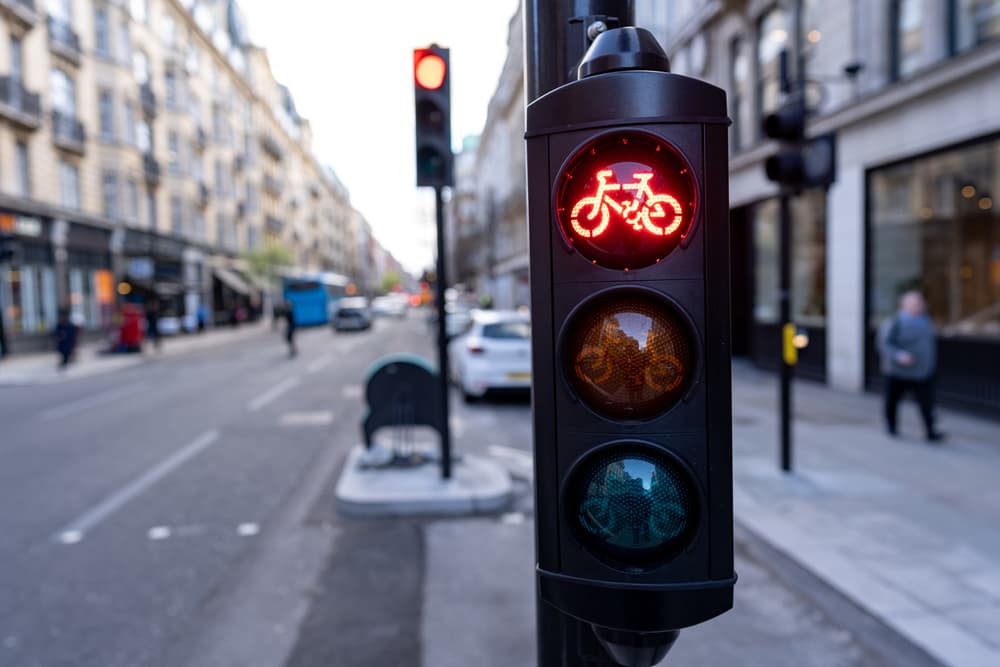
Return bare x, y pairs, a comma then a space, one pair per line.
908, 349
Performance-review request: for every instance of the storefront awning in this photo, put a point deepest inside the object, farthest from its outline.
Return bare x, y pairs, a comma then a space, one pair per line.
231, 280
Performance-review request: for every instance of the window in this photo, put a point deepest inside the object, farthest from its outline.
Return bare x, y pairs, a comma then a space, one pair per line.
23, 169
176, 215
739, 84
102, 40
974, 22
144, 136
772, 38
140, 67
808, 260
169, 32
69, 185
130, 137
220, 184
132, 199
109, 194
173, 153
124, 42
150, 209
907, 38
63, 92
171, 84
139, 10
196, 169
107, 115
61, 10
217, 124
935, 226
16, 60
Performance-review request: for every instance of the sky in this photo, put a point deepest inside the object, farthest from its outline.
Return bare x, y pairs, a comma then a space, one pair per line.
349, 67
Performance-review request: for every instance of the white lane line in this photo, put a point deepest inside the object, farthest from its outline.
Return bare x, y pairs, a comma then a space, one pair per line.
247, 529
75, 531
271, 394
318, 418
351, 391
319, 364
518, 456
73, 407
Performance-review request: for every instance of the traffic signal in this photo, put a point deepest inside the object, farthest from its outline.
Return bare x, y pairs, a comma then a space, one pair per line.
8, 247
800, 162
432, 104
629, 239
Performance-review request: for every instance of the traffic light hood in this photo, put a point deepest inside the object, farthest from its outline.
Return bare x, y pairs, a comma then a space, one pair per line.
623, 48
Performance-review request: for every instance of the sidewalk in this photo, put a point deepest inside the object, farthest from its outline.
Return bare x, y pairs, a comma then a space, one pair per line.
42, 367
909, 531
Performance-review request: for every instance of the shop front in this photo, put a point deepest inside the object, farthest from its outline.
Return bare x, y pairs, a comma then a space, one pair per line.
154, 272
55, 264
934, 226
755, 271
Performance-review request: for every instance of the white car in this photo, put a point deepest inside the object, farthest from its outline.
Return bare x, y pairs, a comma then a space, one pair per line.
493, 353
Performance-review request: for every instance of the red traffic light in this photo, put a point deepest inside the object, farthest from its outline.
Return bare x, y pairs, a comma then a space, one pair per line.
429, 69
626, 200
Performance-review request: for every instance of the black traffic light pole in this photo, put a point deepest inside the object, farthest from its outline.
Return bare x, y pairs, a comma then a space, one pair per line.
442, 335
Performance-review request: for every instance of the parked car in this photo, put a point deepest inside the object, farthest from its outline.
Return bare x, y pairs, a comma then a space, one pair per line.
353, 314
391, 305
493, 354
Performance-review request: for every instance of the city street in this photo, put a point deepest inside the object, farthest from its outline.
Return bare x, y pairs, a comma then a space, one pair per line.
180, 511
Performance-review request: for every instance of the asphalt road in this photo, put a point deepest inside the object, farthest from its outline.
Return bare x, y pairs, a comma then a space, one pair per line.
181, 512
129, 498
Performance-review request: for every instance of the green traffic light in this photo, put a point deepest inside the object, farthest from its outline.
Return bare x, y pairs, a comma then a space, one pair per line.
634, 505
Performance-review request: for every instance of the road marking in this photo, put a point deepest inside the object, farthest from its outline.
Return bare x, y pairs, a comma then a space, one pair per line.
158, 532
271, 394
512, 518
247, 529
74, 407
351, 391
75, 531
319, 364
318, 418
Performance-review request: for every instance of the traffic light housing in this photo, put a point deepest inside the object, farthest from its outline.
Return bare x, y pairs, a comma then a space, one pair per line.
8, 247
799, 163
629, 246
432, 107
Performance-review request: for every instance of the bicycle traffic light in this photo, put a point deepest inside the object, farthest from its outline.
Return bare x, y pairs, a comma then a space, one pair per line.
432, 98
629, 240
800, 162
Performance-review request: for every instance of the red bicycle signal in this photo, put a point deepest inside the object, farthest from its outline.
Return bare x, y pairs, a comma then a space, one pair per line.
626, 200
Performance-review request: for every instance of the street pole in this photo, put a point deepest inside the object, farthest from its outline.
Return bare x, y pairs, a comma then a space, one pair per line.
785, 317
442, 336
556, 35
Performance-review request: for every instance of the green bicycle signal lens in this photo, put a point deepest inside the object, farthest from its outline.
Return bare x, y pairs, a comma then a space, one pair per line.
626, 200
628, 354
633, 504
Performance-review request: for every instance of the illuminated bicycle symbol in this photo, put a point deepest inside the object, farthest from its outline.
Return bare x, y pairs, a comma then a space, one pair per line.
659, 214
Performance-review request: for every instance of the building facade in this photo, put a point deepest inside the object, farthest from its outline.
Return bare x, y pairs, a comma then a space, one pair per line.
144, 147
911, 89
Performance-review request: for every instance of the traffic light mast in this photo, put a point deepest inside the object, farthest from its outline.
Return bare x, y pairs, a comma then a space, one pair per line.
629, 245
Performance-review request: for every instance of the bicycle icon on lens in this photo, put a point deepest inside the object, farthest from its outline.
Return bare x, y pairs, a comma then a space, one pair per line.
658, 214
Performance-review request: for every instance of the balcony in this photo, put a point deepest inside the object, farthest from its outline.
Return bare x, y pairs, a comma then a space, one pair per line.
68, 133
239, 163
203, 194
21, 11
271, 146
272, 185
18, 105
273, 224
151, 170
201, 138
241, 210
63, 41
148, 100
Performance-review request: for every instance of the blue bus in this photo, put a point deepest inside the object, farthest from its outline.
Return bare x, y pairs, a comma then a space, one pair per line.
313, 296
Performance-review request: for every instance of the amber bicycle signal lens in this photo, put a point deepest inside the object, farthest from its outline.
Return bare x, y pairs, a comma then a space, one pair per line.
626, 200
628, 355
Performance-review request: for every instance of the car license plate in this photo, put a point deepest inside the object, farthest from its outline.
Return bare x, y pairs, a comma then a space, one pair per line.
518, 376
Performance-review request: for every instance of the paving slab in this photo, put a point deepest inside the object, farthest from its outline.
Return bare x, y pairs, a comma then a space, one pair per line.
478, 486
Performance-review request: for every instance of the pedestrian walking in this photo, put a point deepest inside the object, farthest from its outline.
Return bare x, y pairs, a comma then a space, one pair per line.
908, 348
153, 321
66, 335
289, 315
202, 317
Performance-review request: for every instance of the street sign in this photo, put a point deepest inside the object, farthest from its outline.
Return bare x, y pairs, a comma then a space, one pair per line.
629, 241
